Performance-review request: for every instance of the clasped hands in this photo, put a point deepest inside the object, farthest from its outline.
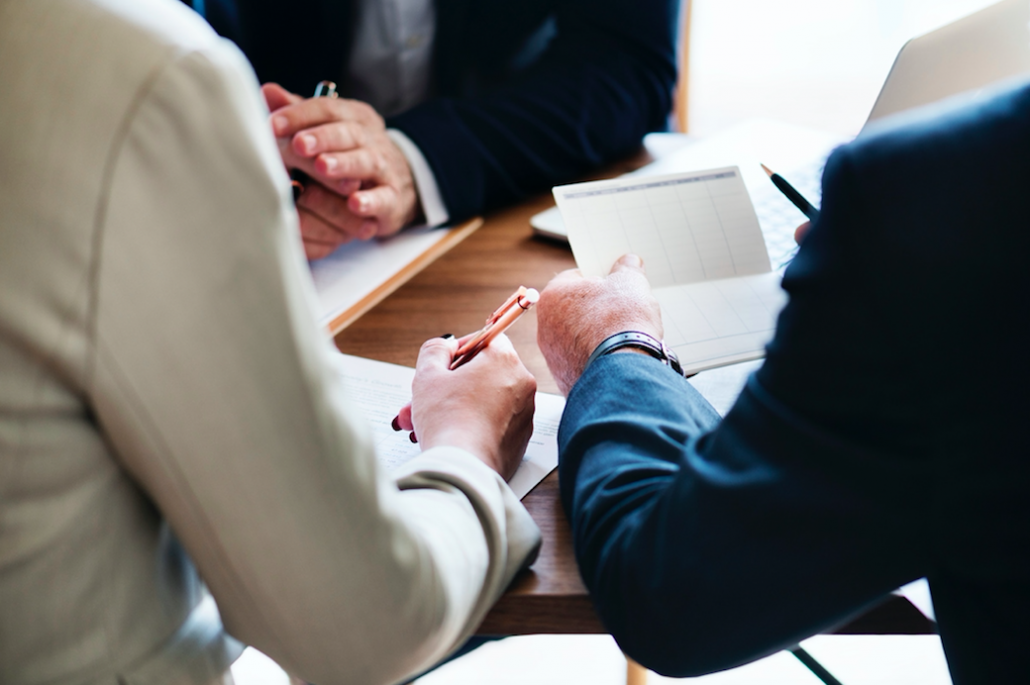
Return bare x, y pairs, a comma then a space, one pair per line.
360, 185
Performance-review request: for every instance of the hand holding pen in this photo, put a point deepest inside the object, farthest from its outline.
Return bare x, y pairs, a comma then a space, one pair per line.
359, 184
798, 200
482, 384
521, 301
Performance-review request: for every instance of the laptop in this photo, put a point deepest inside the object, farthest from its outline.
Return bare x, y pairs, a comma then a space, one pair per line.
973, 56
968, 59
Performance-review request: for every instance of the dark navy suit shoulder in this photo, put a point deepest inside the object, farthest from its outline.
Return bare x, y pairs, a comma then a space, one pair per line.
882, 440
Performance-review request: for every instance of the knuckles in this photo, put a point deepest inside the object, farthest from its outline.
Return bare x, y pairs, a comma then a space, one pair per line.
362, 110
431, 344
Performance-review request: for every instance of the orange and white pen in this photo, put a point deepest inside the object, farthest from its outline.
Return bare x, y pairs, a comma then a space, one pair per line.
521, 301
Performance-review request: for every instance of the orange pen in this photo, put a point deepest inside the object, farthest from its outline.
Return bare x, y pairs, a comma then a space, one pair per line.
508, 313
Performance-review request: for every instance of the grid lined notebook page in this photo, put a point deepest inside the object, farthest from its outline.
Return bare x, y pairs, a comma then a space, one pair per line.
702, 248
686, 227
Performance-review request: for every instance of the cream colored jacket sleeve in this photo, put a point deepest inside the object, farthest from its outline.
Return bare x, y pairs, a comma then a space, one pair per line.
214, 386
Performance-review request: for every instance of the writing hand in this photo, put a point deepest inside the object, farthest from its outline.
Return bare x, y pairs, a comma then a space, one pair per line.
484, 407
343, 145
575, 314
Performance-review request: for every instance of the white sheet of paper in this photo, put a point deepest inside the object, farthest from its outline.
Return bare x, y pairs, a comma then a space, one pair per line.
702, 248
687, 227
722, 386
380, 389
355, 269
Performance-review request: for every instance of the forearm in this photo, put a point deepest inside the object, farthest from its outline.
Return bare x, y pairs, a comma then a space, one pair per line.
621, 449
706, 546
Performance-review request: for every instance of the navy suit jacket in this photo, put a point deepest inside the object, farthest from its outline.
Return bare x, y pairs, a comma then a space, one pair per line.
884, 439
530, 93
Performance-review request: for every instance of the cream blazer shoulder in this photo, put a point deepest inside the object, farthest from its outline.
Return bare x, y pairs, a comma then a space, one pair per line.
168, 410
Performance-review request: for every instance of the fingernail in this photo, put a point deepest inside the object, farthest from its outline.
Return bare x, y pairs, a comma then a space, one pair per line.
308, 142
396, 423
362, 204
447, 336
279, 125
330, 164
411, 436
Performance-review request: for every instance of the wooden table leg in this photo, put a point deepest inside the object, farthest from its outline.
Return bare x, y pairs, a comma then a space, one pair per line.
635, 673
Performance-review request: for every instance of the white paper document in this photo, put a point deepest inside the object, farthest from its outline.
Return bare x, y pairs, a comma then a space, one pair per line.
380, 389
355, 269
722, 386
703, 251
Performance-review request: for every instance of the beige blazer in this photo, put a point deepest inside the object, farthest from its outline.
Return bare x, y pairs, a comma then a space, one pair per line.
168, 412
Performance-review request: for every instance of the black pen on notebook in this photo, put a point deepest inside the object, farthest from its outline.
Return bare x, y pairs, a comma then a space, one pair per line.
793, 195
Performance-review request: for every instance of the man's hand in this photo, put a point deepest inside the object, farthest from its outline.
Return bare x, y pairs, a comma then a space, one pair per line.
484, 407
576, 314
363, 186
801, 231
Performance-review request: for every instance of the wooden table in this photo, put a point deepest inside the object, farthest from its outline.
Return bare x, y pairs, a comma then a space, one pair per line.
454, 295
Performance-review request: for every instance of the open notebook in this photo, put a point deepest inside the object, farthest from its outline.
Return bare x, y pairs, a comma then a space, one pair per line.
703, 250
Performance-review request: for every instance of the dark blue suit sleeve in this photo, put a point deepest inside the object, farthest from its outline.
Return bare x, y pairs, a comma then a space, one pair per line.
882, 440
707, 544
701, 551
604, 80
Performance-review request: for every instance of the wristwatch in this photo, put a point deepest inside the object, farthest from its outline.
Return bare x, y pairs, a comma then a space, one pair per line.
641, 341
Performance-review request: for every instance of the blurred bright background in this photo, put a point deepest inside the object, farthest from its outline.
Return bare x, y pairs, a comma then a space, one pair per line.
817, 63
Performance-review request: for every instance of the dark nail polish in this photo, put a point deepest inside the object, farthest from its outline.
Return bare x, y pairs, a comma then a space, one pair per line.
412, 437
396, 423
447, 336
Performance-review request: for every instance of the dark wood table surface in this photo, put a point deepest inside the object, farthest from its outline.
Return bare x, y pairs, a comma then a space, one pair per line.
454, 295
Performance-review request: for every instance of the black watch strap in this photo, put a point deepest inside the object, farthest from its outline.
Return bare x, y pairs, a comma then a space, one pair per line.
641, 341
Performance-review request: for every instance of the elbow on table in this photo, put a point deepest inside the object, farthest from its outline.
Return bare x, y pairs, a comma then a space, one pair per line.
678, 649
415, 628
393, 628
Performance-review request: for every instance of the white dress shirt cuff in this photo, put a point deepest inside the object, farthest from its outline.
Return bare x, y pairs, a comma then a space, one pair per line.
433, 208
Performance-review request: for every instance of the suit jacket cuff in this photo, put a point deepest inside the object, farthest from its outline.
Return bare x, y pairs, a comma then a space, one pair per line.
512, 536
433, 208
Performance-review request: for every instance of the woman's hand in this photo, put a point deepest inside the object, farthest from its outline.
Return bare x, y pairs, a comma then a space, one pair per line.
484, 407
